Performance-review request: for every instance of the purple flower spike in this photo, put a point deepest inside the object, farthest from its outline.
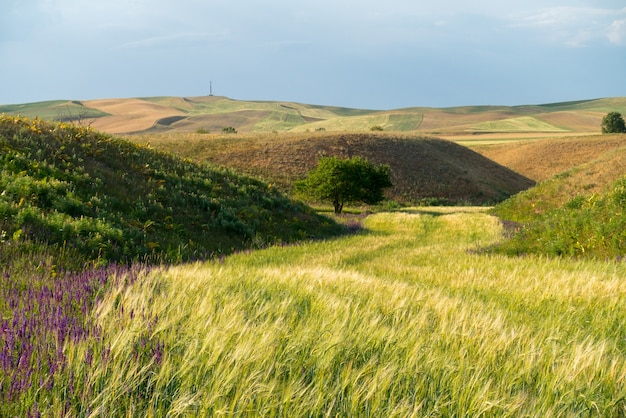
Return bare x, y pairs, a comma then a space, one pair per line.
40, 310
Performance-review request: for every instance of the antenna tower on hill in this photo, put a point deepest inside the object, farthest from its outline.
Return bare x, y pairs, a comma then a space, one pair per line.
210, 88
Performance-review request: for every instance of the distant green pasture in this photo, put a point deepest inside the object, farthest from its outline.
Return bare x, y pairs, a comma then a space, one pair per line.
388, 121
52, 110
521, 124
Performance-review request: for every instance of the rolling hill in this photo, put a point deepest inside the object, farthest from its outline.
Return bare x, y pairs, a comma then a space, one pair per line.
601, 162
421, 167
576, 213
110, 200
213, 113
541, 159
280, 141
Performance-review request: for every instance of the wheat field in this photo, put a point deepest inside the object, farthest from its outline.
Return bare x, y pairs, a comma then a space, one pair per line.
408, 317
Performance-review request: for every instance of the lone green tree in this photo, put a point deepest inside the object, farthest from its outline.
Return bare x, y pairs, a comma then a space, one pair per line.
613, 123
346, 181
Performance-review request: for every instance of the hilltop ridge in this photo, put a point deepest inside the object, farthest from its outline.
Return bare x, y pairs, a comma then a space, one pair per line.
213, 113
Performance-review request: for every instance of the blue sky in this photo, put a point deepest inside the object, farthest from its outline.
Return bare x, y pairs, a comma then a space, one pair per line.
363, 54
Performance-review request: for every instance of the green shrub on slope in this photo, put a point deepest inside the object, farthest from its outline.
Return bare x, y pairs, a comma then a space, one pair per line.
109, 199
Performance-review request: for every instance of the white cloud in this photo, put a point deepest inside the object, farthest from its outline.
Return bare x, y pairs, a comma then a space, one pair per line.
162, 40
98, 16
574, 26
617, 32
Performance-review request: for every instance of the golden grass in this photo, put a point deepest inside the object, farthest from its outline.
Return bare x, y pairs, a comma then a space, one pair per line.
476, 139
401, 321
541, 159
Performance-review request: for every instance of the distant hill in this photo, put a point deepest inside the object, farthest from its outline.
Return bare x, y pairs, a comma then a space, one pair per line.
421, 167
541, 159
213, 113
111, 200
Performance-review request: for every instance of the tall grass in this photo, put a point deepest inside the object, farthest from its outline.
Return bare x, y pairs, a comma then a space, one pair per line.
402, 319
586, 225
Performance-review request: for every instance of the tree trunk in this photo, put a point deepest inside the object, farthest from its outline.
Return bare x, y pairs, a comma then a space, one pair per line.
338, 206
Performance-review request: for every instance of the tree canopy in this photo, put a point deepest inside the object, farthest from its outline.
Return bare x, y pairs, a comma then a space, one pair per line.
613, 123
346, 181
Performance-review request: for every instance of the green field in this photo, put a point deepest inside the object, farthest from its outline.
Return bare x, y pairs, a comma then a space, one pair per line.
407, 318
52, 110
520, 124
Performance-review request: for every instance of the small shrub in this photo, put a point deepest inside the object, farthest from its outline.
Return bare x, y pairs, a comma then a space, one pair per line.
390, 205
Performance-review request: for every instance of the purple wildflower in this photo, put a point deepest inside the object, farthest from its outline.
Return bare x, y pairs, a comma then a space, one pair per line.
39, 312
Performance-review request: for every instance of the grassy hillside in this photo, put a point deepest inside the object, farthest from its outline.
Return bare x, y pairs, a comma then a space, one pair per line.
592, 178
400, 320
109, 199
579, 212
421, 168
213, 113
540, 159
59, 110
583, 226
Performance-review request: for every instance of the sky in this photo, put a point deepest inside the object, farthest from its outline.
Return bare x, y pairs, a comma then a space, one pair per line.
383, 54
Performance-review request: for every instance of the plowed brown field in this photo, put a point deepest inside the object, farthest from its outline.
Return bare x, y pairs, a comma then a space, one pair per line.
129, 115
